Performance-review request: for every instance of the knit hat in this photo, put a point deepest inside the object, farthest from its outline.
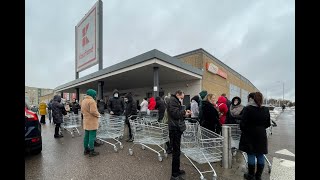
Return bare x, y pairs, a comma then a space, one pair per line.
203, 94
92, 93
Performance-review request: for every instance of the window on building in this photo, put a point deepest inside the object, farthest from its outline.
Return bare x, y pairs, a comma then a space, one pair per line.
234, 91
244, 97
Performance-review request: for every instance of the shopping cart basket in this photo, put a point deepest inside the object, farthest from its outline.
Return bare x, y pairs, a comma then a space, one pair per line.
111, 127
149, 133
71, 122
202, 146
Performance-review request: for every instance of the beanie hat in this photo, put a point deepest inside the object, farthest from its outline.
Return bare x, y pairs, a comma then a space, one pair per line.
92, 93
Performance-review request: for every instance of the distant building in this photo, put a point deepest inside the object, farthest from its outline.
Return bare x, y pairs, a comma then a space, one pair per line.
33, 94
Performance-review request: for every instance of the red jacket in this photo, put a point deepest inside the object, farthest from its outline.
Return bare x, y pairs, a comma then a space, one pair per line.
223, 108
152, 103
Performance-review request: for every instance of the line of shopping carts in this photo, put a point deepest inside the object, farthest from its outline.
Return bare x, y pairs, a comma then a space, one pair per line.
235, 139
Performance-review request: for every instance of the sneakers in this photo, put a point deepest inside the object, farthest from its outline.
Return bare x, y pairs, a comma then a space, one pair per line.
176, 178
169, 151
182, 172
86, 151
93, 153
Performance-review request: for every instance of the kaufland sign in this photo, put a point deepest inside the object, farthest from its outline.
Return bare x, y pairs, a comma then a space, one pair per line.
215, 70
87, 40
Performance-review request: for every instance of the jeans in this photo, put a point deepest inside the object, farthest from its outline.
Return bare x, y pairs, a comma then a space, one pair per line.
56, 130
175, 140
89, 138
252, 159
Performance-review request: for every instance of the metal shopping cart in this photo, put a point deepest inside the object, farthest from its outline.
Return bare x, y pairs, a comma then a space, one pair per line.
149, 133
111, 127
202, 146
235, 139
152, 117
71, 122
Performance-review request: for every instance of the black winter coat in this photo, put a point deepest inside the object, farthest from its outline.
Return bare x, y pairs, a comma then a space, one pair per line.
100, 106
57, 109
161, 107
116, 105
210, 117
131, 107
253, 130
175, 113
75, 107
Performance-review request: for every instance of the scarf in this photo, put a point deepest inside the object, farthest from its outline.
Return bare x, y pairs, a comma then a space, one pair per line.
252, 103
236, 110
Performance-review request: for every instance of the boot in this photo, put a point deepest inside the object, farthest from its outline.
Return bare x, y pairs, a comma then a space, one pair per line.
250, 174
169, 149
93, 153
259, 171
130, 139
86, 151
176, 178
96, 144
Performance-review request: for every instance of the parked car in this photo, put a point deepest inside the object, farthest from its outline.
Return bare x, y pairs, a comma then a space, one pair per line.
33, 139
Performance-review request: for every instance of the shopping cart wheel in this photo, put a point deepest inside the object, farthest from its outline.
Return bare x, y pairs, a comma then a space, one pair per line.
143, 147
121, 146
72, 135
115, 149
165, 155
201, 177
130, 152
160, 158
269, 169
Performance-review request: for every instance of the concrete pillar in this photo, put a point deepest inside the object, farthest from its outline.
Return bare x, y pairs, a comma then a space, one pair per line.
226, 152
155, 81
100, 90
78, 95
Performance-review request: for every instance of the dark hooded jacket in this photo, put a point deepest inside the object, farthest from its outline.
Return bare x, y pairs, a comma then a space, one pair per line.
235, 112
58, 109
202, 96
101, 104
161, 107
116, 105
131, 107
210, 117
75, 107
175, 113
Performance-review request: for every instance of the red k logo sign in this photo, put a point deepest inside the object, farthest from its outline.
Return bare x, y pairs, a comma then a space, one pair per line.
85, 39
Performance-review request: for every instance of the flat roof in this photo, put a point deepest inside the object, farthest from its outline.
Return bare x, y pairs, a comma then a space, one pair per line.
217, 61
136, 60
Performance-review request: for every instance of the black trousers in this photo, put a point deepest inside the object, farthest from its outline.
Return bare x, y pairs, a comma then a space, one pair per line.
175, 141
128, 123
43, 119
56, 129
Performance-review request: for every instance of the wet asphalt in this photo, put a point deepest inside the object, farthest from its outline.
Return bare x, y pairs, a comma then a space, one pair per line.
63, 158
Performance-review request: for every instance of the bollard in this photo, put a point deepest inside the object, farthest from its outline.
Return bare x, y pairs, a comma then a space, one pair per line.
226, 153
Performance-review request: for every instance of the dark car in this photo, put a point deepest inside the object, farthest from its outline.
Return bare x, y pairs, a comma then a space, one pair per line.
33, 139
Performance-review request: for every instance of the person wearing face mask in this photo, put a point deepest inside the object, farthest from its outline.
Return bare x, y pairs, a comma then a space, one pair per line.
236, 109
115, 104
176, 116
131, 109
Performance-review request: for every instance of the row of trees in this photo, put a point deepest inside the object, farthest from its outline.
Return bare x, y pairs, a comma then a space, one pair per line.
277, 102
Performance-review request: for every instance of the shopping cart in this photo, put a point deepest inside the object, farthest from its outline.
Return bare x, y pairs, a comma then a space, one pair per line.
111, 127
71, 122
149, 133
235, 139
152, 117
202, 146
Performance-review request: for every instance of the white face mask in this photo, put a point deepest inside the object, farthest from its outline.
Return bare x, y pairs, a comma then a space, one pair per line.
116, 95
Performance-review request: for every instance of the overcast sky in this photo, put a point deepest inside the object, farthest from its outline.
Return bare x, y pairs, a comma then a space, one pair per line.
255, 38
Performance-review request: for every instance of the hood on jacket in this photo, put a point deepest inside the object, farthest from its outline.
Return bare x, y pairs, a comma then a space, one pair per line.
115, 91
152, 100
222, 99
92, 93
203, 94
129, 97
57, 98
196, 98
239, 100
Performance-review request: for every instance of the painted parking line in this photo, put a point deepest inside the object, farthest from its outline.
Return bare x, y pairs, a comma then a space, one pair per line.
285, 152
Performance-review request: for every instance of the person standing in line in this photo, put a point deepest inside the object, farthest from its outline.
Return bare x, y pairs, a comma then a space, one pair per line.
50, 110
115, 104
202, 95
131, 109
160, 106
90, 122
43, 112
210, 114
58, 111
177, 126
101, 104
195, 100
152, 104
253, 139
236, 109
75, 107
144, 105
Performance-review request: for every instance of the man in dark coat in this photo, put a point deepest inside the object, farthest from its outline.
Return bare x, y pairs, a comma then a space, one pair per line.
115, 104
161, 107
131, 109
202, 94
100, 105
75, 107
210, 116
253, 140
176, 115
58, 111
